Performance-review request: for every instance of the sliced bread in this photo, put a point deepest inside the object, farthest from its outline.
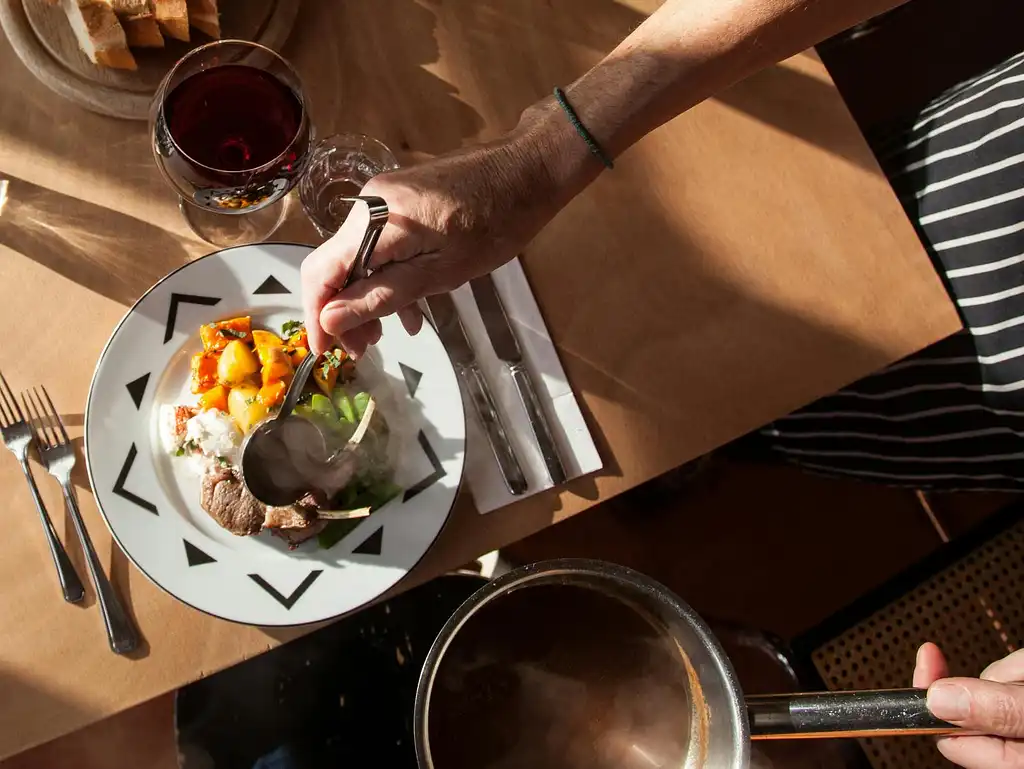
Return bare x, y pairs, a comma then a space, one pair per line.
172, 16
142, 31
99, 33
203, 15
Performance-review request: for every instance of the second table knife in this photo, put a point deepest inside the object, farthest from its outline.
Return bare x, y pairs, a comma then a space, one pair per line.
453, 336
503, 340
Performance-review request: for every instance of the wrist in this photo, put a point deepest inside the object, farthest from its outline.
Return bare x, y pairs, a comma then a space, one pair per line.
559, 163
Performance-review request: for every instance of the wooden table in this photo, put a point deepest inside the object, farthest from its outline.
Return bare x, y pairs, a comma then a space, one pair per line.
740, 262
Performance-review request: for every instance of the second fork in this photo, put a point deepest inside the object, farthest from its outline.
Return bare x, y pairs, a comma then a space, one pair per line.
58, 455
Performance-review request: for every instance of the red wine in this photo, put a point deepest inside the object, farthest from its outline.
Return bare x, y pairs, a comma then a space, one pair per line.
233, 118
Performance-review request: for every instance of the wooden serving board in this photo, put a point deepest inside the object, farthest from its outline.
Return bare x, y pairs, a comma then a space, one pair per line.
42, 38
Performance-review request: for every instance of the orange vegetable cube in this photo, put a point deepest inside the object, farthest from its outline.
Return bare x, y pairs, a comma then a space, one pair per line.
327, 368
262, 338
214, 398
277, 366
216, 336
204, 371
272, 394
299, 339
297, 355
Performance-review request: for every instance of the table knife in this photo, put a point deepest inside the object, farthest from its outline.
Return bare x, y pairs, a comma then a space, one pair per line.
506, 347
453, 336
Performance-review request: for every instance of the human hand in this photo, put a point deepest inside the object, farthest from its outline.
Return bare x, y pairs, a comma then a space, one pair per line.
992, 704
451, 219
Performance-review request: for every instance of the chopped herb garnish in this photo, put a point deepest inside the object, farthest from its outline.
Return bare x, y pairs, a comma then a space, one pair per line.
225, 331
223, 461
250, 400
180, 452
330, 361
292, 326
191, 445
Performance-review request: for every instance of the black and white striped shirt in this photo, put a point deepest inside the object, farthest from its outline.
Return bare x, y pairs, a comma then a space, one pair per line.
951, 416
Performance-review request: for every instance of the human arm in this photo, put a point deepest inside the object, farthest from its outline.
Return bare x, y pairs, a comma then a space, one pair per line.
464, 214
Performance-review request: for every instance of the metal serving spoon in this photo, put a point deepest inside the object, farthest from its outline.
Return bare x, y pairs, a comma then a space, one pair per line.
263, 473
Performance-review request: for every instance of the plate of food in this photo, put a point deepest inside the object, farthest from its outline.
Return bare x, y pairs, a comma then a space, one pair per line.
200, 360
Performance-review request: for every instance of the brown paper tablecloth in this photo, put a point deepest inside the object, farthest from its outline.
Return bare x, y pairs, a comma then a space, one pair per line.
738, 263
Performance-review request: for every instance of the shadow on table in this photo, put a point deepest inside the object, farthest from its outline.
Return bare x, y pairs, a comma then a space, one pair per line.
22, 696
110, 253
142, 736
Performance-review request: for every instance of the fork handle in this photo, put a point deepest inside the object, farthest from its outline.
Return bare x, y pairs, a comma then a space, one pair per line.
70, 584
121, 632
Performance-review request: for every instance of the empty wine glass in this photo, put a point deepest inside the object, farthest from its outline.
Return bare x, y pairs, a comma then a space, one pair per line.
339, 168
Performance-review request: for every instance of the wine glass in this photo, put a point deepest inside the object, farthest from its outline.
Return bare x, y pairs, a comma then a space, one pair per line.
231, 133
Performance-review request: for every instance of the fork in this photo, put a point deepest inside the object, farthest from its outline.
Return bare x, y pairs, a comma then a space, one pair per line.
58, 455
17, 436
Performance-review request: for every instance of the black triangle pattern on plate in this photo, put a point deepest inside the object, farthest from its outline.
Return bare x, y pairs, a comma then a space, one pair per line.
372, 545
122, 492
412, 378
271, 286
172, 312
431, 479
287, 601
195, 556
137, 389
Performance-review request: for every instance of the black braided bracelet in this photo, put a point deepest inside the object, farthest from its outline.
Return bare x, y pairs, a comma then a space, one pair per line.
581, 129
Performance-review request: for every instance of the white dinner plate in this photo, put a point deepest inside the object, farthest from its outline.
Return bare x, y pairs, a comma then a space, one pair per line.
150, 500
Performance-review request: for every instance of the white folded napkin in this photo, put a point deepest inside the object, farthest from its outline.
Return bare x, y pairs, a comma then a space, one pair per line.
575, 444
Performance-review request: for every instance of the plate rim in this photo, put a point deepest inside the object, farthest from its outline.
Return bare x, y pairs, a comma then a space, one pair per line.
130, 557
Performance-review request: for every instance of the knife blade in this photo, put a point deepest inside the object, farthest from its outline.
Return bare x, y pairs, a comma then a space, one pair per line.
506, 347
453, 337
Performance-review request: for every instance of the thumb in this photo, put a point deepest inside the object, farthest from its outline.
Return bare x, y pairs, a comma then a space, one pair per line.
982, 706
325, 270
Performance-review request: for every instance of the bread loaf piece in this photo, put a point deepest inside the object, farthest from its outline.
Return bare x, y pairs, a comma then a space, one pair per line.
172, 15
139, 23
99, 33
204, 16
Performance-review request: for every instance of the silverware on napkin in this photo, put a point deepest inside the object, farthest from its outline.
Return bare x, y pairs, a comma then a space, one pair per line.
506, 347
17, 436
453, 336
58, 455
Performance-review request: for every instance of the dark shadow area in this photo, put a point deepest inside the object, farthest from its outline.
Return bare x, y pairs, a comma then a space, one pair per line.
110, 253
897, 64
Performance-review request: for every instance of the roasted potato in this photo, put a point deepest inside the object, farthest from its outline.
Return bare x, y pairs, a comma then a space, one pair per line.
272, 393
214, 398
266, 339
216, 336
245, 407
237, 363
204, 371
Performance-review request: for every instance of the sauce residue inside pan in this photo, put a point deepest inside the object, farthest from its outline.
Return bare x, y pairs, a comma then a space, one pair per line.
559, 676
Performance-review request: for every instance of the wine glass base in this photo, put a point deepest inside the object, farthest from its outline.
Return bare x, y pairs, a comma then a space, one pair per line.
225, 230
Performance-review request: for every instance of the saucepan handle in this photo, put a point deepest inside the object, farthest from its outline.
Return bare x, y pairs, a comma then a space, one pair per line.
870, 713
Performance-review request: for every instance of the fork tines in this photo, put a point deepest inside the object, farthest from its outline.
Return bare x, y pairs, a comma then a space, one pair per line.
10, 411
46, 430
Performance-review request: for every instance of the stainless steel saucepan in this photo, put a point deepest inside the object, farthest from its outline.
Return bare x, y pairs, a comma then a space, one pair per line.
577, 663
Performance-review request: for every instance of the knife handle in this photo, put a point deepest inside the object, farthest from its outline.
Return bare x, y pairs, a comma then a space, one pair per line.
480, 394
539, 423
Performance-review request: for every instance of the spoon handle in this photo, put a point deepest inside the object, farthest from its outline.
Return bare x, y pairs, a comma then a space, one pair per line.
295, 388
